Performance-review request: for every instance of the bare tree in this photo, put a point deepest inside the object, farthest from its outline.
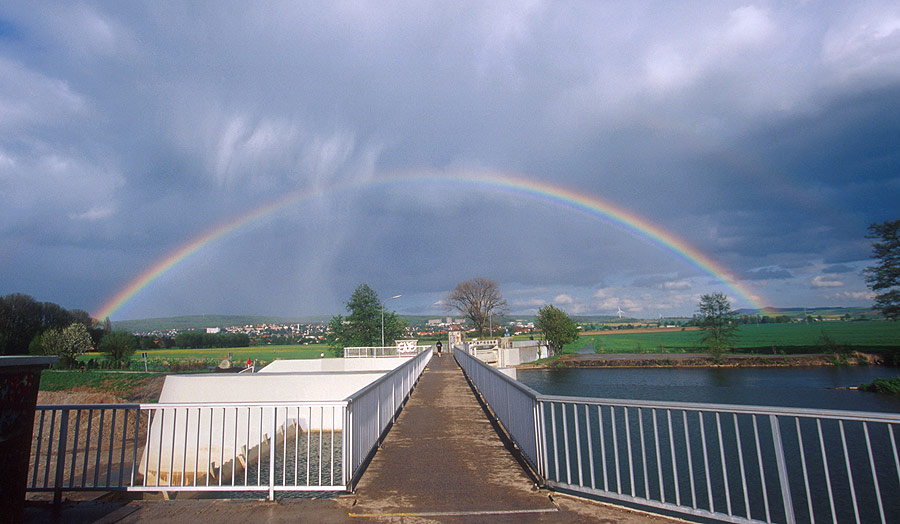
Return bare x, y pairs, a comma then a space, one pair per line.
477, 299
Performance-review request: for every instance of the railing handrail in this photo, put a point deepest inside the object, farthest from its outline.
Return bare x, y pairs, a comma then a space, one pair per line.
868, 416
385, 377
170, 405
513, 382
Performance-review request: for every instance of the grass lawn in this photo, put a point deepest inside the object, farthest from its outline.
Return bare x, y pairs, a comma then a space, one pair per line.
815, 337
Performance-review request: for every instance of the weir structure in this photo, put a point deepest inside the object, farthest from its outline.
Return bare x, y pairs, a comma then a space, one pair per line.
443, 461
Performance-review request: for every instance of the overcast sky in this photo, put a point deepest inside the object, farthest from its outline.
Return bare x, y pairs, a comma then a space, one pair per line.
765, 135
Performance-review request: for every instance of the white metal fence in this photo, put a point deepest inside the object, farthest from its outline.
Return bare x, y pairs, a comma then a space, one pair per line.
224, 447
383, 351
723, 462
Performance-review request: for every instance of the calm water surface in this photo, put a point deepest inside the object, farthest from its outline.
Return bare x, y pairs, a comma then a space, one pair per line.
813, 387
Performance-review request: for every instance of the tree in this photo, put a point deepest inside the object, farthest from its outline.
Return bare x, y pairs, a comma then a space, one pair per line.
362, 327
715, 317
884, 277
558, 328
478, 299
66, 343
21, 319
118, 346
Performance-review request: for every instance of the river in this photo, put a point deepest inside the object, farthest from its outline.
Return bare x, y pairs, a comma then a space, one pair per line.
807, 387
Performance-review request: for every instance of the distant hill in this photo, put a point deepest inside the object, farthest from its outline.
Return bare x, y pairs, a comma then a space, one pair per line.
207, 321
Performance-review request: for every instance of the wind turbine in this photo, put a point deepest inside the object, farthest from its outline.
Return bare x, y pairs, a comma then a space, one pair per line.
620, 311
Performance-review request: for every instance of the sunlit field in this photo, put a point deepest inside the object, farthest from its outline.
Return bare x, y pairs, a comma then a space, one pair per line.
766, 338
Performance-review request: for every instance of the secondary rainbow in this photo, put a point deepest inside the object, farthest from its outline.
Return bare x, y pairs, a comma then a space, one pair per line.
517, 184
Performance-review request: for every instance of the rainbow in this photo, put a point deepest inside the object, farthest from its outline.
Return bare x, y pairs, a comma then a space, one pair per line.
516, 184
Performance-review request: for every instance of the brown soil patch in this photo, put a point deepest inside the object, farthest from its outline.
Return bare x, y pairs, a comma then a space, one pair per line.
147, 391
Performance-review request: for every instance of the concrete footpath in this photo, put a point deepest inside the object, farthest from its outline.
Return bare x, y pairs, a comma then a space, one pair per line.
443, 461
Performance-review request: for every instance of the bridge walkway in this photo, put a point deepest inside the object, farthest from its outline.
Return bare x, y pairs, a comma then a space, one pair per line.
443, 461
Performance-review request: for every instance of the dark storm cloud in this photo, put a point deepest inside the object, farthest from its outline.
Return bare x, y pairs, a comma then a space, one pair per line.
766, 136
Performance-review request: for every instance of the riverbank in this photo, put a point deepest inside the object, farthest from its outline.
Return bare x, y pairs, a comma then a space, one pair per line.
702, 360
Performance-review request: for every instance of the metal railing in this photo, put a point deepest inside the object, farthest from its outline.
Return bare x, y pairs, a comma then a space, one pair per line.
723, 462
224, 447
189, 447
373, 409
383, 351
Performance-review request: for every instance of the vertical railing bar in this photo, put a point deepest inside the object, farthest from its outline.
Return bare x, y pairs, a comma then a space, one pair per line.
87, 446
308, 437
272, 443
674, 463
628, 447
59, 478
740, 449
234, 444
209, 446
162, 425
284, 450
809, 504
99, 447
259, 442
762, 473
222, 450
643, 453
782, 470
112, 439
587, 427
74, 459
184, 452
246, 447
602, 447
827, 473
874, 473
615, 438
50, 448
687, 450
555, 444
566, 442
197, 448
849, 472
137, 430
322, 437
124, 445
727, 482
297, 429
706, 461
659, 466
890, 428
331, 476
577, 439
37, 453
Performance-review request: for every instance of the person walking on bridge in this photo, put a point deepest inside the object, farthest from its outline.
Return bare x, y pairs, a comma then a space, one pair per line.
440, 347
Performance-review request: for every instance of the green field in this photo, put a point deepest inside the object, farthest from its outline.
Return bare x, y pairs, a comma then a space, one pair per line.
202, 359
787, 338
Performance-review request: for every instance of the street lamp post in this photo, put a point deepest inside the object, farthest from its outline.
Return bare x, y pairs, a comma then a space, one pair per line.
382, 317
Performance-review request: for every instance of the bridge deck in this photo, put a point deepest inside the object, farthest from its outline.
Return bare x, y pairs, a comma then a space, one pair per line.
443, 459
441, 462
